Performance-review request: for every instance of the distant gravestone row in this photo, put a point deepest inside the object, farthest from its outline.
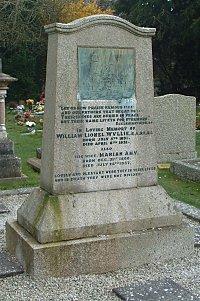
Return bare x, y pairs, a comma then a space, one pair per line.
99, 207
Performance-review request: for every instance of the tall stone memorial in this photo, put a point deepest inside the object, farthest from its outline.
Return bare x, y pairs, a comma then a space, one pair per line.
98, 207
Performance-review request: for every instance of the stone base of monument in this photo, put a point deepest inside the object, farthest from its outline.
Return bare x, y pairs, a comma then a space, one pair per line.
97, 232
51, 218
98, 254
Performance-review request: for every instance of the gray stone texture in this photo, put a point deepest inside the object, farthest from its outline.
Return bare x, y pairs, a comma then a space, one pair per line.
3, 208
10, 165
39, 152
18, 191
197, 236
35, 163
188, 210
187, 169
9, 266
175, 117
157, 290
54, 218
6, 147
98, 254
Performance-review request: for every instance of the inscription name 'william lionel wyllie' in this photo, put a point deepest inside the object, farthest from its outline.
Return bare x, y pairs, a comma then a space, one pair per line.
99, 134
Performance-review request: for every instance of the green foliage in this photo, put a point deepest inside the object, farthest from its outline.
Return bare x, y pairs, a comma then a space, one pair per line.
23, 42
27, 66
22, 47
176, 45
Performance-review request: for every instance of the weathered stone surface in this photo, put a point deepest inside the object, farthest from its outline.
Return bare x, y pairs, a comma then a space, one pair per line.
197, 236
98, 254
18, 191
9, 266
39, 153
175, 117
6, 147
188, 210
35, 163
10, 165
187, 169
54, 218
3, 208
156, 290
14, 179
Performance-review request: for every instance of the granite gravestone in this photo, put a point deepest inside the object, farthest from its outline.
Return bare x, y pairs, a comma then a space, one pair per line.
175, 117
98, 207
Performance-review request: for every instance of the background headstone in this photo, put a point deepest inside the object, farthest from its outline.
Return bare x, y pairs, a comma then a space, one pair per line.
10, 165
175, 117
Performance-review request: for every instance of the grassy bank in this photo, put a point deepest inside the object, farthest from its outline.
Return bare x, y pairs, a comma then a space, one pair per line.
25, 148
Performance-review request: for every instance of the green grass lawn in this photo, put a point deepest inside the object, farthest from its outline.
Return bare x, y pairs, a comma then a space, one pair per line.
25, 148
185, 191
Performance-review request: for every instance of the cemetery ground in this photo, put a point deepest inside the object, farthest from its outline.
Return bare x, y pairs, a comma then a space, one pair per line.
25, 145
23, 287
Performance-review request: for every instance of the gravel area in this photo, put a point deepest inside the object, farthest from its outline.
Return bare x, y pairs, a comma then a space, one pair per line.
185, 271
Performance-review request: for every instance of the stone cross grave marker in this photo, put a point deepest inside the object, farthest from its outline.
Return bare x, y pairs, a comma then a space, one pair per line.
98, 173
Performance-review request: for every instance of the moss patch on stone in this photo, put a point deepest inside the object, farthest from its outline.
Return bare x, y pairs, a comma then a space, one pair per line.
50, 205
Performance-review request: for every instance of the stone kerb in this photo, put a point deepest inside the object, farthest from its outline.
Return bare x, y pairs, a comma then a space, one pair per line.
175, 117
188, 169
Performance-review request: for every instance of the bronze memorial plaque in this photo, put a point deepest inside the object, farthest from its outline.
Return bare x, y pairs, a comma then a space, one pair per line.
106, 74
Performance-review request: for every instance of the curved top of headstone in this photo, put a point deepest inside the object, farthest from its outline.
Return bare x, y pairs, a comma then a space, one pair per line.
95, 20
175, 96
